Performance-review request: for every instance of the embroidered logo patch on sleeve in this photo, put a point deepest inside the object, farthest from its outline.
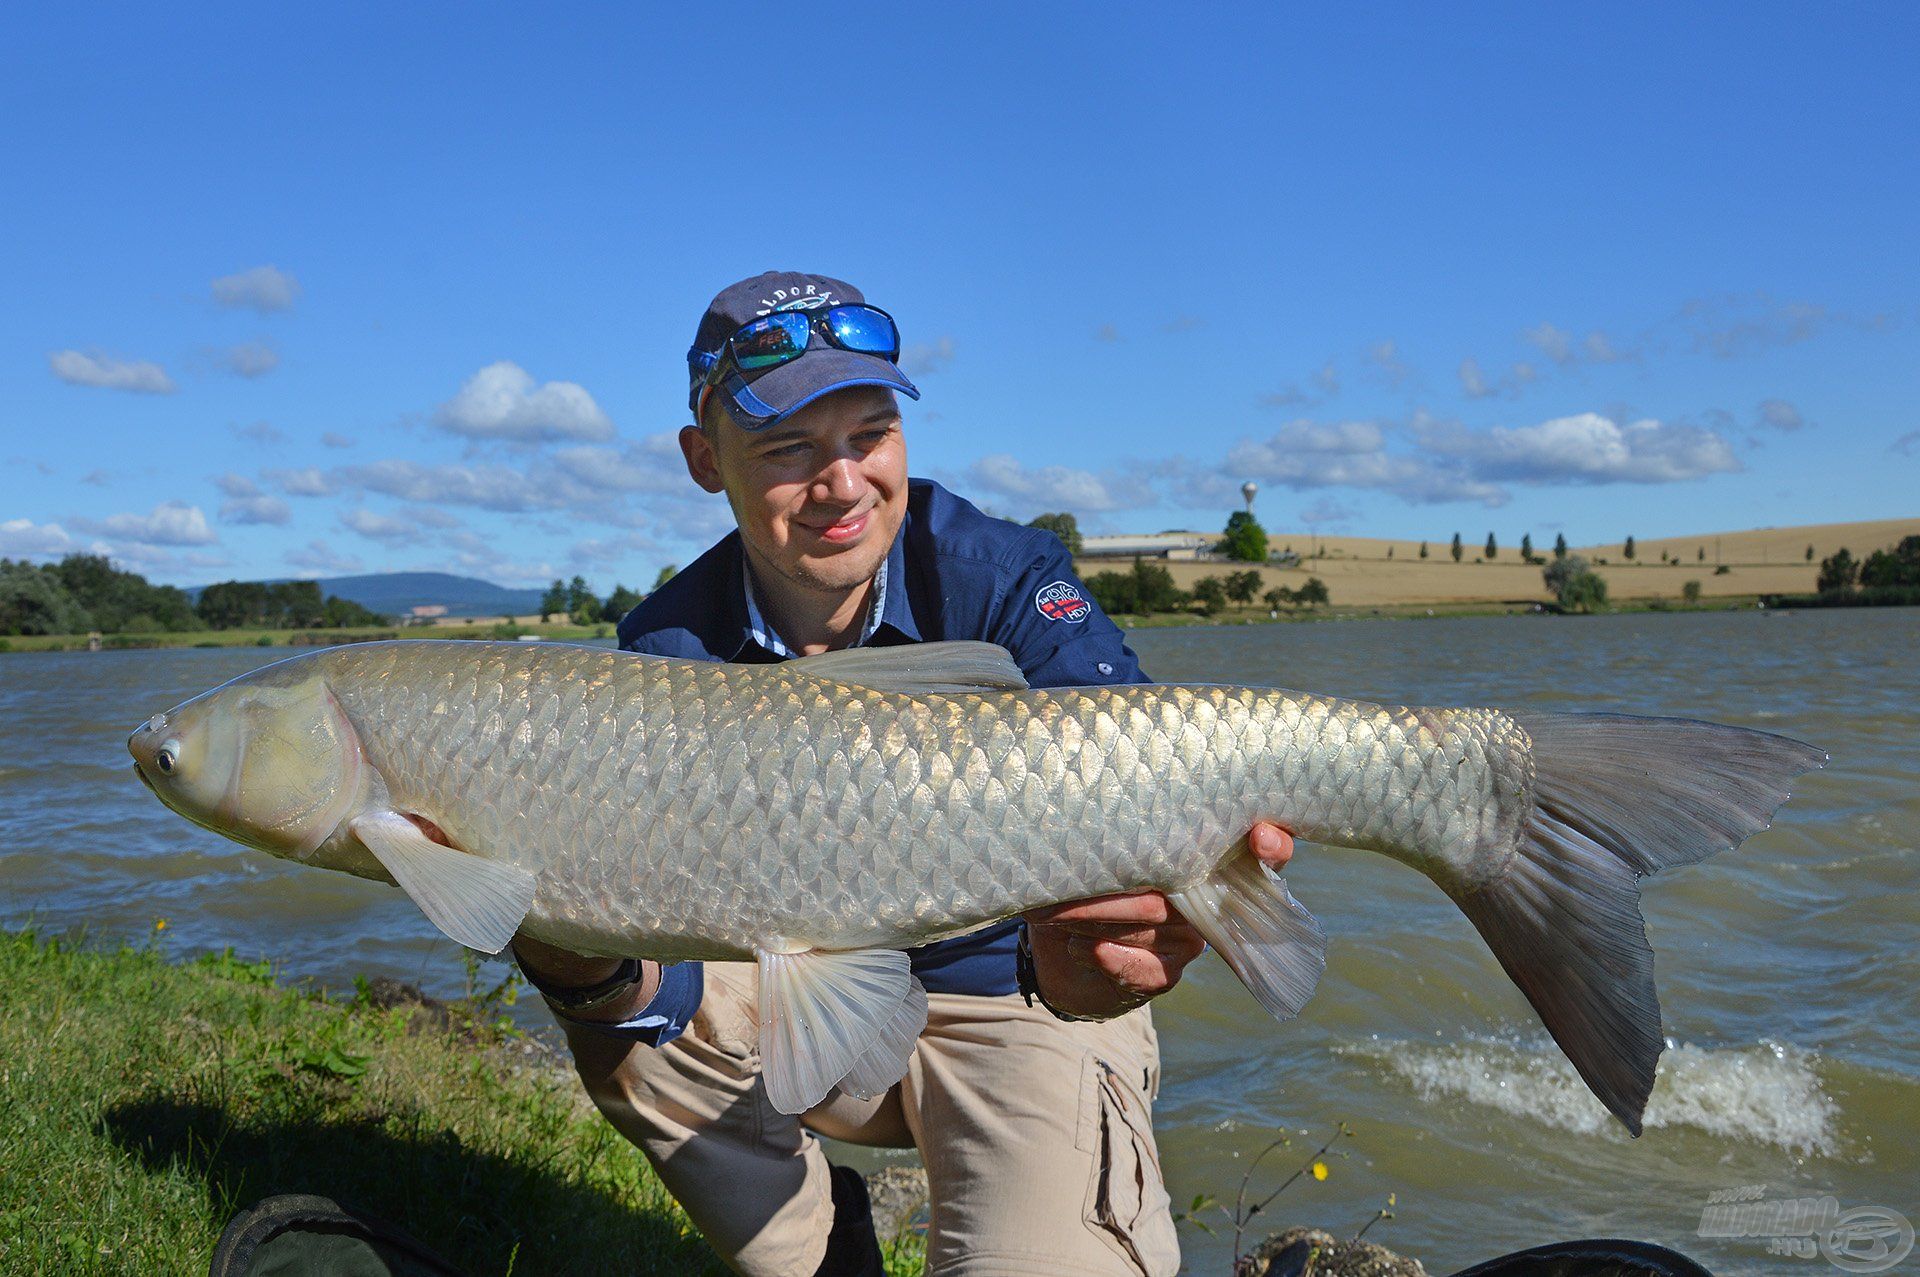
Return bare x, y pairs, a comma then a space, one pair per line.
1062, 601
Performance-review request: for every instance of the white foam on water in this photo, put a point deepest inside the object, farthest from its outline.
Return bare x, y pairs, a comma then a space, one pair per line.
1769, 1093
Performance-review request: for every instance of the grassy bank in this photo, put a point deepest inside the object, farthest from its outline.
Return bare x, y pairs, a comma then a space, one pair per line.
146, 1102
298, 638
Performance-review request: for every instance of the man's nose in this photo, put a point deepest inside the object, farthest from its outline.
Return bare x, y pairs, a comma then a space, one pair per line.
841, 483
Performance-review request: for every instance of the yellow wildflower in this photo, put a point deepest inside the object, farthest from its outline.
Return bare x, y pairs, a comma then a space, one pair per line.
1319, 1170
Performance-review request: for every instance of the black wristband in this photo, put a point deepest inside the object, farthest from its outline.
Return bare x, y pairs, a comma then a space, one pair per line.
1029, 983
586, 998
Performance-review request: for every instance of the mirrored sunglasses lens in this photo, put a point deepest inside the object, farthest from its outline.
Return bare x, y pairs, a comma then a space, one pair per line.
769, 342
862, 329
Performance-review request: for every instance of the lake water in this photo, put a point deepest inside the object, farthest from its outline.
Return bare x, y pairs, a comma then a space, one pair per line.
1789, 969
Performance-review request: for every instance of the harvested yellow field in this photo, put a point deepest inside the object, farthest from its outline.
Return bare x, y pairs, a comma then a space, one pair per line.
1359, 573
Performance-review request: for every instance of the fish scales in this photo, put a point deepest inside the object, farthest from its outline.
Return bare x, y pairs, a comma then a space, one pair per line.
695, 810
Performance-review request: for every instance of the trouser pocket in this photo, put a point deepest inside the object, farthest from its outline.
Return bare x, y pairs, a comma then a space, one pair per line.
1127, 1202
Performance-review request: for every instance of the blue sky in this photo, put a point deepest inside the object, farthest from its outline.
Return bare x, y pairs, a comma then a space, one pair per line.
359, 288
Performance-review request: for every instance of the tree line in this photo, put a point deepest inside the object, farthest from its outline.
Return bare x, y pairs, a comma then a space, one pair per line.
576, 600
1148, 588
1884, 577
85, 592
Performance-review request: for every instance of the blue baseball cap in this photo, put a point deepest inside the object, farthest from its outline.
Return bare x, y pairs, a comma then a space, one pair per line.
756, 401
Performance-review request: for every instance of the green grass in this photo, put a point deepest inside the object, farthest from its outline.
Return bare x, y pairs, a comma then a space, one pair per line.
146, 1102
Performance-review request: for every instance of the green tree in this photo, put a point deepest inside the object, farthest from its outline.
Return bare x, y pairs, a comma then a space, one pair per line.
619, 603
1423, 549
1899, 566
1062, 525
1577, 586
1493, 547
1242, 586
1700, 554
1153, 587
1690, 592
1313, 592
1245, 539
1526, 547
1627, 549
554, 600
1210, 592
1809, 554
1559, 545
1113, 592
33, 601
667, 574
581, 598
1838, 572
1278, 597
1457, 550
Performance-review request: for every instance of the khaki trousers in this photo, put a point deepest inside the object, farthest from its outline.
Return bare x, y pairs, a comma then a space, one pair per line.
1037, 1137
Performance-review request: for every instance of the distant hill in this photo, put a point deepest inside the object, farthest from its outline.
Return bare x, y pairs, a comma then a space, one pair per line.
398, 593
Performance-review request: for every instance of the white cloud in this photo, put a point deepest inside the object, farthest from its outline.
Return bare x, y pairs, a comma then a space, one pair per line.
317, 558
1385, 356
1584, 448
1473, 382
250, 359
92, 368
1780, 415
653, 464
333, 439
303, 481
1907, 444
1555, 343
384, 528
25, 539
236, 485
262, 288
170, 523
928, 357
259, 432
1327, 512
486, 487
1353, 454
1056, 487
501, 401
1106, 332
255, 509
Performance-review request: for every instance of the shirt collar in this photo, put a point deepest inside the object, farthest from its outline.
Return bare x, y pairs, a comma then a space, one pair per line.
888, 607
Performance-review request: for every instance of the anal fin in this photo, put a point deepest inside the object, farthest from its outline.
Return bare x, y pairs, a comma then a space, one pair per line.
827, 1017
478, 902
1273, 944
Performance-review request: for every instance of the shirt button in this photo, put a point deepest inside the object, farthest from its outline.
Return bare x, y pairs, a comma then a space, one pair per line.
1104, 668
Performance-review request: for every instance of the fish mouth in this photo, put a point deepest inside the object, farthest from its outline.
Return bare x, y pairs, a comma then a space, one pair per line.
141, 773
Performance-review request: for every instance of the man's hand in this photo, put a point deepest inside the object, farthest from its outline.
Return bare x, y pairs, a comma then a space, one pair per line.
1108, 955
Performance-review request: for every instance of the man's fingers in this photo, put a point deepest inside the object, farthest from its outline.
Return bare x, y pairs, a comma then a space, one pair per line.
1271, 844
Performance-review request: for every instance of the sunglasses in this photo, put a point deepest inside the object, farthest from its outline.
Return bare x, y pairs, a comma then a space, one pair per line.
783, 336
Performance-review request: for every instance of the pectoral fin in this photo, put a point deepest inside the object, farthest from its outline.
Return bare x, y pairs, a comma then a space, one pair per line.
828, 1017
478, 902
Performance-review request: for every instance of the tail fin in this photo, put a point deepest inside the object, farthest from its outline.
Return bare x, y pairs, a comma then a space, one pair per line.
1617, 797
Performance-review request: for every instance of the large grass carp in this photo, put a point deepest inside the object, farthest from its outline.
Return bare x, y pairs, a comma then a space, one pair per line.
820, 816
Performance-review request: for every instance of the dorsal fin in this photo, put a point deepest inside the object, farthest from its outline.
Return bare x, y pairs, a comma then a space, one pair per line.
920, 669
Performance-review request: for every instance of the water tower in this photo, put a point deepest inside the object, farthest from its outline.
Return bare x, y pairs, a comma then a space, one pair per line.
1248, 490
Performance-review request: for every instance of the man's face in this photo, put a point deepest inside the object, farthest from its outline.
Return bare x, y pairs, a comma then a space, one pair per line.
820, 497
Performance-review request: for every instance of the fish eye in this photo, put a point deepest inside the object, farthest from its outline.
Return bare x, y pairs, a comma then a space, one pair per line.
168, 756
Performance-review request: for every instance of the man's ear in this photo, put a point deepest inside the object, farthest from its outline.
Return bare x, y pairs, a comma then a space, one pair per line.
702, 465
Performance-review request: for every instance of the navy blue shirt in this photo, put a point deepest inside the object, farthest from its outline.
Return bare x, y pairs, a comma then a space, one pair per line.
952, 573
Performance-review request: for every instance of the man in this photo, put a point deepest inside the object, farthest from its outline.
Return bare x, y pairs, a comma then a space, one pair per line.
1034, 1121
